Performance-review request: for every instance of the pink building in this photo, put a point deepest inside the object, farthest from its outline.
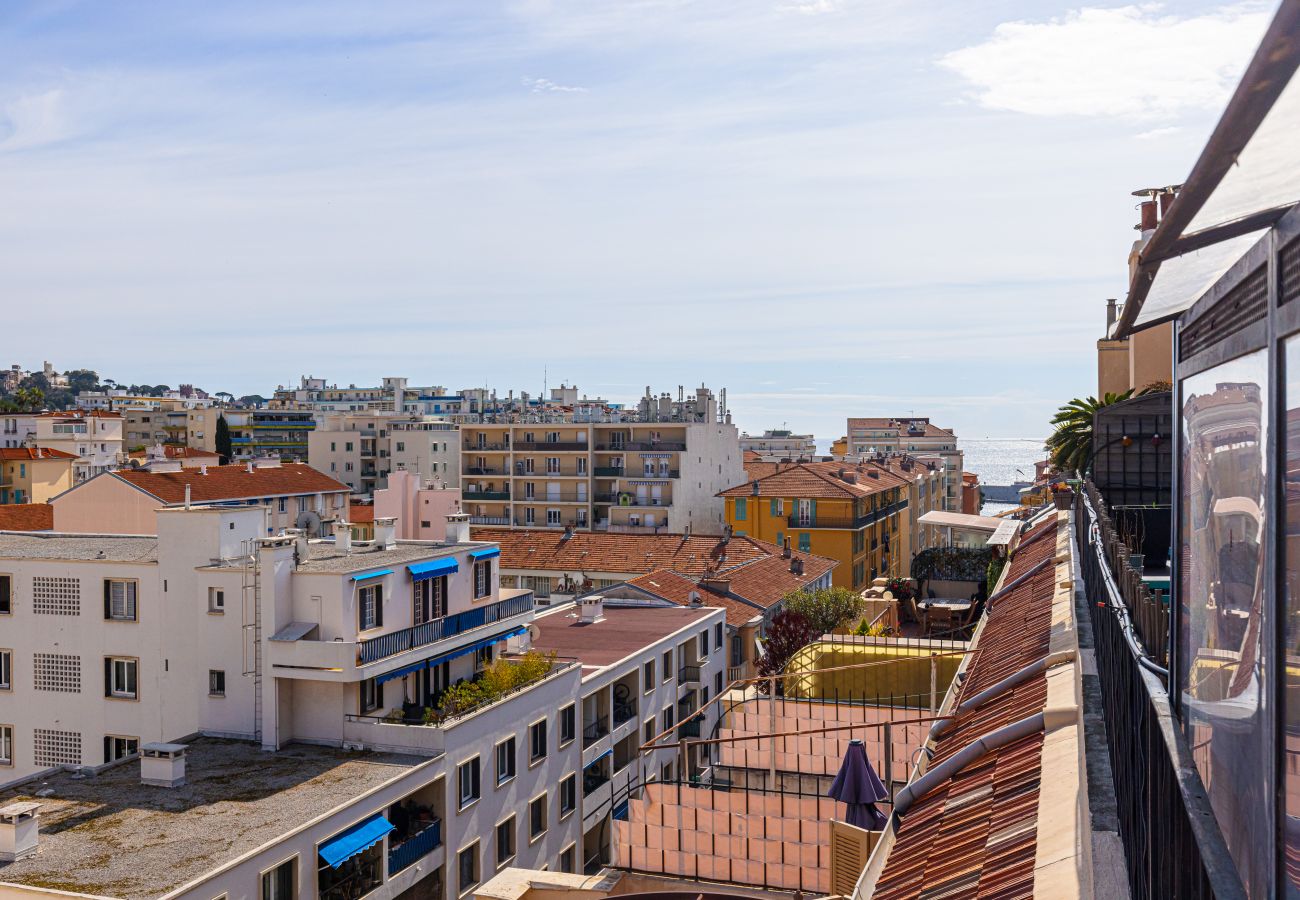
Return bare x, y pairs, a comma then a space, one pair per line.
421, 509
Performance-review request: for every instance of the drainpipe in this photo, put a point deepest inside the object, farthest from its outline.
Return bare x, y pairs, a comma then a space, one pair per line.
943, 726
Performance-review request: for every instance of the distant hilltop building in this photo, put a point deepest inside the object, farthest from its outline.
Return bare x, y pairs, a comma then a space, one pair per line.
916, 436
780, 443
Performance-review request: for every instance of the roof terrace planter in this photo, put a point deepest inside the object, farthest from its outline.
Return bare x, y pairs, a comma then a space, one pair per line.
386, 645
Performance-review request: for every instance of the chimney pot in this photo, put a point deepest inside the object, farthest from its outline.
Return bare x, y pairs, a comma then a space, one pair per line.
386, 532
162, 765
20, 827
591, 609
343, 537
457, 528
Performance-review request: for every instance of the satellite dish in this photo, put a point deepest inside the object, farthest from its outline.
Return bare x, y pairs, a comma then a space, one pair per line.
534, 633
309, 523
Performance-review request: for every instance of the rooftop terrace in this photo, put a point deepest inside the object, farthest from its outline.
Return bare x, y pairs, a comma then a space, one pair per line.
51, 545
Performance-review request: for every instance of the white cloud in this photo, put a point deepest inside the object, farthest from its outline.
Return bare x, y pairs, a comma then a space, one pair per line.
34, 120
546, 86
814, 7
1131, 61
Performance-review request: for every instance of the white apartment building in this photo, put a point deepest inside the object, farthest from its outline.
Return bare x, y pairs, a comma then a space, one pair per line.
780, 444
362, 449
95, 437
395, 396
915, 436
16, 429
657, 470
253, 716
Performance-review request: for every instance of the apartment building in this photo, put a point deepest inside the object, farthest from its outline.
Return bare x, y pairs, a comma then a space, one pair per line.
33, 475
396, 396
160, 454
657, 470
17, 429
780, 443
258, 433
419, 507
288, 495
643, 670
363, 449
96, 437
856, 514
916, 436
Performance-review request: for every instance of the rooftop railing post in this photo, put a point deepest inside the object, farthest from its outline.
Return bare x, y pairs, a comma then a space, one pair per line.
934, 682
771, 765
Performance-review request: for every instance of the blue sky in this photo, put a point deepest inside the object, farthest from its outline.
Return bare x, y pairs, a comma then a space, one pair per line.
829, 207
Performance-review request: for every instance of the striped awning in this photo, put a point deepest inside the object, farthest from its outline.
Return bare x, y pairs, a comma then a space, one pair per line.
375, 574
476, 555
433, 568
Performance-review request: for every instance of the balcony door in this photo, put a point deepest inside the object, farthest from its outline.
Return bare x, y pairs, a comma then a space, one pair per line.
803, 512
430, 599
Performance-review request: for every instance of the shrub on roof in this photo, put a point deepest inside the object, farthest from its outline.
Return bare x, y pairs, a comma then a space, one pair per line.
826, 608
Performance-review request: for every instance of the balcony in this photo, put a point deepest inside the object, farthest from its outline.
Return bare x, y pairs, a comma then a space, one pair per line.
486, 470
646, 446
489, 520
594, 731
852, 522
632, 500
688, 675
472, 495
387, 645
689, 729
610, 471
543, 499
416, 847
492, 447
558, 446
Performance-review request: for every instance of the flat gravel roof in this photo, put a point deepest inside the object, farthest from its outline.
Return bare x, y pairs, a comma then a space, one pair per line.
87, 547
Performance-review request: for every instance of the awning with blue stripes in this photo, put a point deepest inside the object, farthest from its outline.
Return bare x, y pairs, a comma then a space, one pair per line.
433, 568
375, 574
398, 673
476, 555
449, 655
357, 839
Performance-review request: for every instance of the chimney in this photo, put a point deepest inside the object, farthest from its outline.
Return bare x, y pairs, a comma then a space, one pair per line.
1147, 221
187, 495
20, 827
591, 609
250, 467
785, 549
343, 537
1167, 200
203, 469
1111, 313
457, 528
754, 487
568, 533
385, 532
726, 534
162, 765
874, 473
713, 581
299, 543
796, 566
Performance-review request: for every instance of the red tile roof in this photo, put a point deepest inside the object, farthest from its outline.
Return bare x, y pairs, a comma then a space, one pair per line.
26, 453
171, 451
231, 482
632, 554
976, 834
899, 425
359, 513
624, 631
818, 480
81, 414
26, 517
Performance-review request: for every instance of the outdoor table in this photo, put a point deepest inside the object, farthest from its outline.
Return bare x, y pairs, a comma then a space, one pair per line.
957, 606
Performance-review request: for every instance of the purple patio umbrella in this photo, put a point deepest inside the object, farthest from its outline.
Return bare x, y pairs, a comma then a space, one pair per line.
858, 785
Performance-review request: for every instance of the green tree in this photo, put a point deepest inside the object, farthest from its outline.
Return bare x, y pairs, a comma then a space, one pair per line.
827, 608
1070, 446
224, 446
82, 380
29, 399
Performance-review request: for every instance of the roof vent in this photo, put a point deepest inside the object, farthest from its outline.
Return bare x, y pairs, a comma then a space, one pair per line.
591, 609
753, 487
19, 831
796, 566
162, 765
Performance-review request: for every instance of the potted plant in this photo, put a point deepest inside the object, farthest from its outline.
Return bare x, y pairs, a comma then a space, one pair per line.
1062, 495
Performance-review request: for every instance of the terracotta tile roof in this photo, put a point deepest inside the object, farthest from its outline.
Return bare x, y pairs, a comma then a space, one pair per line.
633, 554
231, 482
899, 425
622, 632
752, 587
819, 480
25, 453
171, 451
81, 414
359, 513
976, 835
748, 456
27, 517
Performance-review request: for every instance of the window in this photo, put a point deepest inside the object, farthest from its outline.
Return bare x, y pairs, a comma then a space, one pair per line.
668, 665
430, 599
6, 595
648, 677
119, 600
537, 741
717, 683
742, 509
553, 465
280, 883
505, 760
568, 794
666, 773
370, 606
120, 677
776, 507
649, 729
704, 645
467, 864
6, 745
568, 859
482, 578
372, 695
717, 636
805, 542
568, 724
284, 504
537, 817
216, 682
737, 651
668, 718
6, 670
469, 786
506, 841
401, 447
116, 747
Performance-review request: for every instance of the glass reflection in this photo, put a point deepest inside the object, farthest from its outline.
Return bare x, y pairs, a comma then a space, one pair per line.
1291, 605
1222, 618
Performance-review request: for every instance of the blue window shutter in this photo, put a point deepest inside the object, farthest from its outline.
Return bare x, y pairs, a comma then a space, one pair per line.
814, 511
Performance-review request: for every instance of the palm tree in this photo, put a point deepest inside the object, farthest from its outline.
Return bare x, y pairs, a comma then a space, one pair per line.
1070, 445
29, 399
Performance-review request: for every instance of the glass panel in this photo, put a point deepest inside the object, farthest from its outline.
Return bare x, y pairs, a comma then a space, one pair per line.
1222, 604
1290, 550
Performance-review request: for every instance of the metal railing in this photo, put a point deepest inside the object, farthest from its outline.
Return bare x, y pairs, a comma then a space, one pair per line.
647, 446
489, 520
419, 845
486, 470
688, 675
610, 472
594, 731
471, 495
387, 645
1172, 844
560, 446
797, 520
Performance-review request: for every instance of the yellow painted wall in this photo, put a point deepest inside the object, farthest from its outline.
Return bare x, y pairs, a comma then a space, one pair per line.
37, 479
899, 670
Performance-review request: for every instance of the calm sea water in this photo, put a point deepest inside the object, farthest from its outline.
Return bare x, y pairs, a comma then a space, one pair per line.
1002, 461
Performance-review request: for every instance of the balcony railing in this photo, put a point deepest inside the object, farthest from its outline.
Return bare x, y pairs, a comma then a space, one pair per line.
820, 520
543, 499
486, 448
688, 675
610, 471
471, 495
489, 520
632, 500
486, 470
416, 847
736, 673
689, 729
387, 645
594, 731
646, 446
559, 446
1172, 846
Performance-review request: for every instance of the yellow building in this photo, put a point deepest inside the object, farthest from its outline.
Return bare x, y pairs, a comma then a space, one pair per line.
840, 447
854, 513
33, 475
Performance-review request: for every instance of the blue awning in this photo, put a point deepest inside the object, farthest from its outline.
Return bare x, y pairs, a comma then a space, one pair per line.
398, 673
361, 836
609, 752
484, 554
470, 648
433, 569
372, 574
